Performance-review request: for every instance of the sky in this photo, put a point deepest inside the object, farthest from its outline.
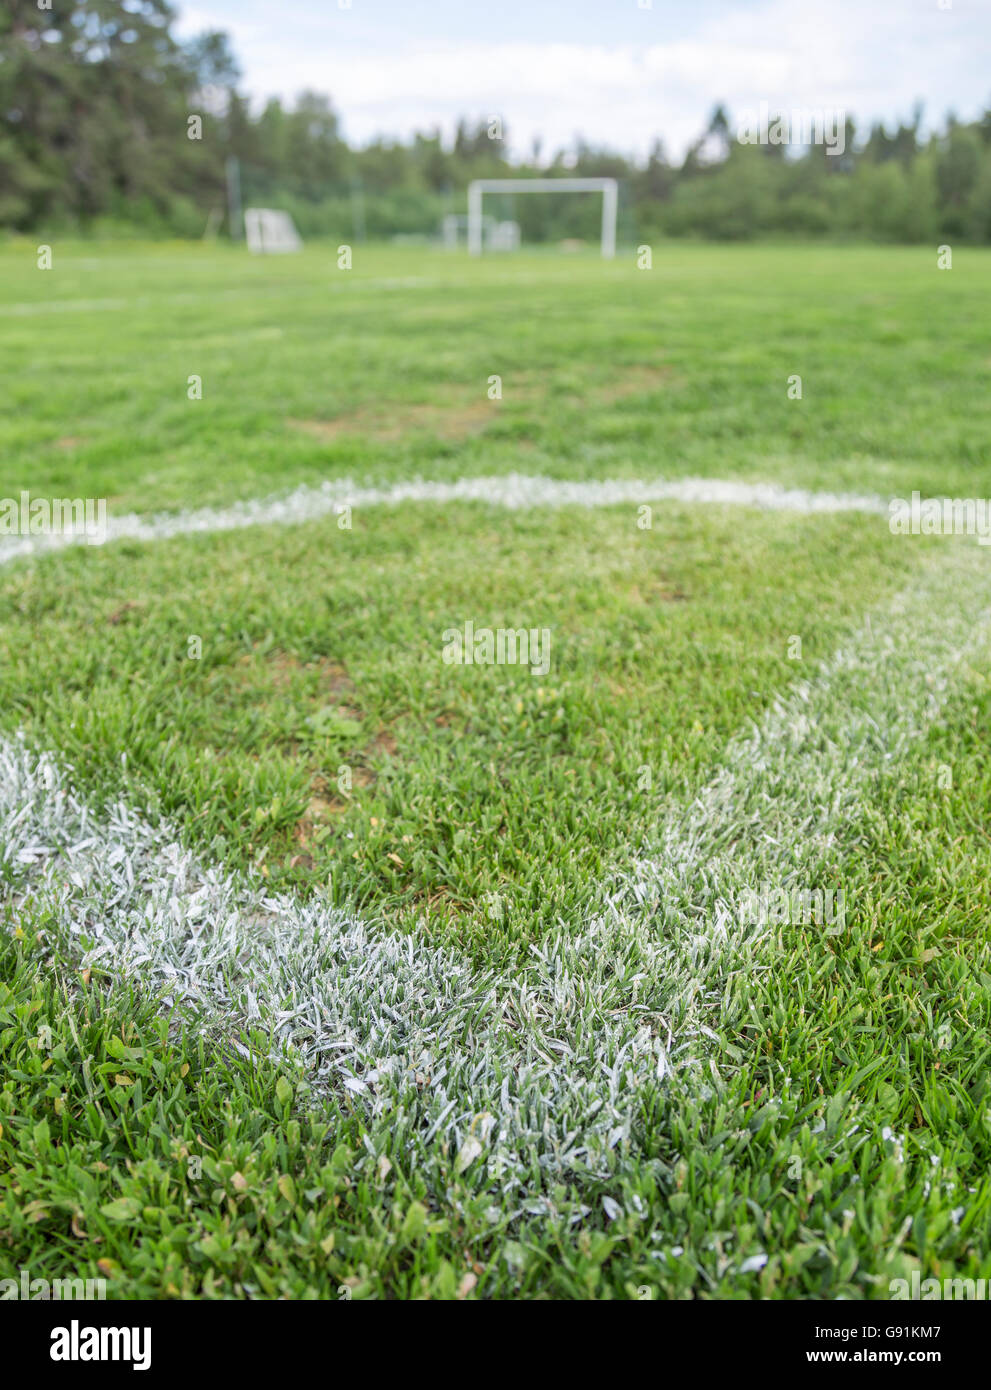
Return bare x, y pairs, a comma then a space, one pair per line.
619, 72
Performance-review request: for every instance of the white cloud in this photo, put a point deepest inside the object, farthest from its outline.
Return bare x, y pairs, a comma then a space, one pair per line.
874, 63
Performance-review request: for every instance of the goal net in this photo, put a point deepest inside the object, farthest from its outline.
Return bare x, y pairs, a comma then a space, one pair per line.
268, 231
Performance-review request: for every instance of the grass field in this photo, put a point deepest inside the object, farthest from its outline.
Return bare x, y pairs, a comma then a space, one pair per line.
332, 968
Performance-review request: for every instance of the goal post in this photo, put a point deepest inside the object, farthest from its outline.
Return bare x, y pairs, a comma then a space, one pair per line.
270, 231
609, 188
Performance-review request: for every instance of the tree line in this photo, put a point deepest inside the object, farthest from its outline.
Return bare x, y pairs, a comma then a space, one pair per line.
109, 122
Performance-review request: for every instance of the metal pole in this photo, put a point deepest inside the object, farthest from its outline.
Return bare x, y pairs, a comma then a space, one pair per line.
609, 206
475, 218
234, 198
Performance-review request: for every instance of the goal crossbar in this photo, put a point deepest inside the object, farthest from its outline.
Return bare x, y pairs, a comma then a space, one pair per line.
609, 188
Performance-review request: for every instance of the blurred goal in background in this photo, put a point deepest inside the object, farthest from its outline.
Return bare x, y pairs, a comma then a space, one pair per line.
609, 188
269, 231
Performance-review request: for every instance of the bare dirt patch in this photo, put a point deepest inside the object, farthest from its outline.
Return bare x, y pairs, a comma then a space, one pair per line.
634, 381
281, 669
450, 422
120, 615
463, 417
324, 806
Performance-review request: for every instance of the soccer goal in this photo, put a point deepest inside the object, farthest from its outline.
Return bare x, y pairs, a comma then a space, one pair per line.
268, 231
609, 189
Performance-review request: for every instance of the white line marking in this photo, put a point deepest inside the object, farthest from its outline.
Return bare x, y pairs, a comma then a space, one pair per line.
545, 1062
776, 811
493, 276
527, 1076
33, 307
515, 491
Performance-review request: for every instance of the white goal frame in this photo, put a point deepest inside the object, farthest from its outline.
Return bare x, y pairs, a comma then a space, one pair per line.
609, 188
269, 231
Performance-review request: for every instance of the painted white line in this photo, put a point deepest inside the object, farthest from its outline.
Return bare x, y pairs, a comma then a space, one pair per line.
540, 1066
778, 811
492, 276
515, 491
517, 1078
33, 308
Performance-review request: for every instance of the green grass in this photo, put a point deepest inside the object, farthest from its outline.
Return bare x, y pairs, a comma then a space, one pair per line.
486, 805
606, 370
889, 1029
478, 796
